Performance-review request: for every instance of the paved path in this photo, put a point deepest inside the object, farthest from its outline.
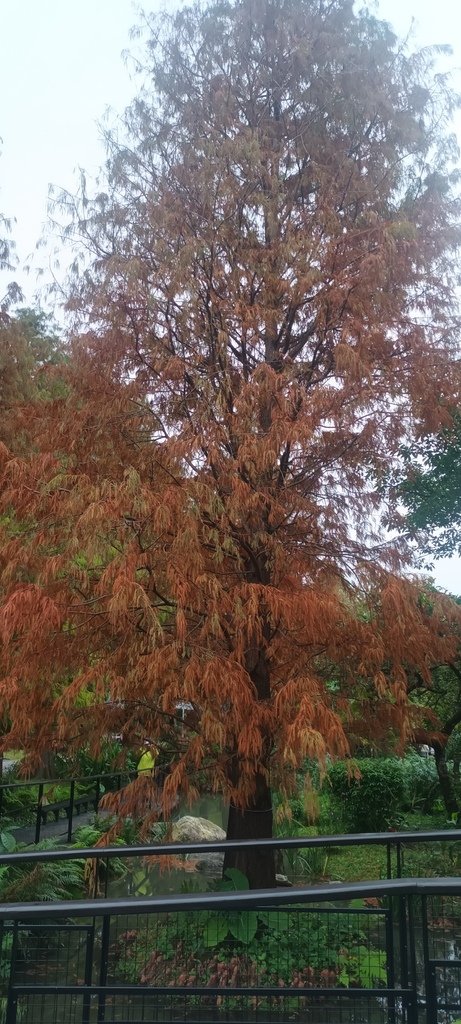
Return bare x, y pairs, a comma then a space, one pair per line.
52, 829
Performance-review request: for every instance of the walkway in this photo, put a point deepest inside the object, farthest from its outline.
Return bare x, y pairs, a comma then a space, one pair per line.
52, 829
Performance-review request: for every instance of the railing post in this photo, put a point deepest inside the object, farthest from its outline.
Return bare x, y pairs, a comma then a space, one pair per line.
413, 1006
38, 818
403, 939
71, 811
429, 970
388, 860
88, 977
104, 967
12, 999
390, 961
106, 876
95, 878
399, 859
12, 1008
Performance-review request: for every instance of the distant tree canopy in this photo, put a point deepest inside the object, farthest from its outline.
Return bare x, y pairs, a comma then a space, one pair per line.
5, 243
30, 350
437, 720
266, 308
12, 292
430, 488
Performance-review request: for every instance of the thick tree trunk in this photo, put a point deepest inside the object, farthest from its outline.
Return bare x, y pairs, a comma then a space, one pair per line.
253, 823
47, 765
447, 788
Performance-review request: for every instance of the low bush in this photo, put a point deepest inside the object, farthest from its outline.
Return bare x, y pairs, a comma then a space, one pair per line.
371, 802
304, 864
421, 782
453, 750
83, 764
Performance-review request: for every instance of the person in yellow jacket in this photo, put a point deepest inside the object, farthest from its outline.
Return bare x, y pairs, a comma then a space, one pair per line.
146, 763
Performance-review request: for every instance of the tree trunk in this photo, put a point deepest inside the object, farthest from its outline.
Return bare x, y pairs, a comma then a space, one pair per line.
47, 766
446, 782
253, 823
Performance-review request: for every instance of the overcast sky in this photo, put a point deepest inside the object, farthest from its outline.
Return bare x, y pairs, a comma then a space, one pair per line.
61, 68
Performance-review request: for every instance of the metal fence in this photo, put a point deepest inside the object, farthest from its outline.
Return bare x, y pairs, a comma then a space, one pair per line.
412, 854
440, 849
82, 794
368, 953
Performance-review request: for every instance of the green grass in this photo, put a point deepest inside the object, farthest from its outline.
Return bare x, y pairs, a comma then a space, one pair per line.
416, 821
357, 863
364, 863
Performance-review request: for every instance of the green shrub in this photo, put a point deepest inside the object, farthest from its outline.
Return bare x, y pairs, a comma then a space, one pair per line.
453, 749
421, 782
304, 865
296, 805
372, 802
297, 809
82, 764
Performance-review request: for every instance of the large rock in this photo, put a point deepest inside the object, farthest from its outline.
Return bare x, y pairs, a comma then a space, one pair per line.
199, 830
210, 864
196, 830
282, 881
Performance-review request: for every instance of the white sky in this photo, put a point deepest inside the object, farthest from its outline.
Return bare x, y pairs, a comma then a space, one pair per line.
61, 68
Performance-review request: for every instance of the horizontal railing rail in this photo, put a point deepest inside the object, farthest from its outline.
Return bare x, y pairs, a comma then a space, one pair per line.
246, 900
392, 839
62, 781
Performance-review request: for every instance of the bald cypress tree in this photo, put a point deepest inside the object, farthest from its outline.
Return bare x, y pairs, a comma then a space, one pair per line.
269, 309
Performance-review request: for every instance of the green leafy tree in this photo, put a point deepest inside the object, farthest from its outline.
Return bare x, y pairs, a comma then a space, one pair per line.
438, 720
430, 488
31, 352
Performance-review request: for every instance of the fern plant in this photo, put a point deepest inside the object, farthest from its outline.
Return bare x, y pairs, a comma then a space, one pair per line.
94, 872
47, 881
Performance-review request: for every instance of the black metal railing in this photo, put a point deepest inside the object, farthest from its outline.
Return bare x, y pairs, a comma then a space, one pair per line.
83, 794
398, 846
367, 953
